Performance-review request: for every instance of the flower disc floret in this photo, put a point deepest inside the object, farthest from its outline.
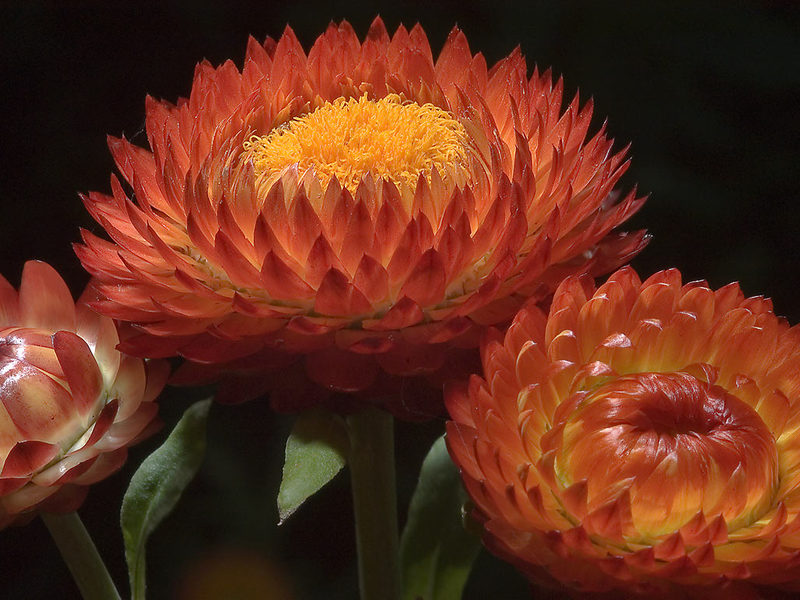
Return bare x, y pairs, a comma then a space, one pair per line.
642, 438
361, 211
347, 138
70, 403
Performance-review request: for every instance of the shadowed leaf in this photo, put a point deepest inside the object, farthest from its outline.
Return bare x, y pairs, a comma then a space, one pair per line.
436, 551
315, 452
156, 487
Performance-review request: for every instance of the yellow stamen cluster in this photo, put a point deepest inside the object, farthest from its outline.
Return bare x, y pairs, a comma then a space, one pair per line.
348, 138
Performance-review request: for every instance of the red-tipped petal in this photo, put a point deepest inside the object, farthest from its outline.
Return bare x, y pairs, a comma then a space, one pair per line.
337, 296
80, 369
27, 457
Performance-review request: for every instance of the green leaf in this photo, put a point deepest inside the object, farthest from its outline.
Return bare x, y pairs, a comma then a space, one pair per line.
156, 487
436, 551
315, 452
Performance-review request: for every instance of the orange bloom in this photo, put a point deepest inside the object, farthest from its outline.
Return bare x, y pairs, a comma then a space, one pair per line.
70, 404
363, 206
643, 436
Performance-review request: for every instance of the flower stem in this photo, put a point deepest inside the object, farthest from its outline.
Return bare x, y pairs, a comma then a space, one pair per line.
80, 554
372, 476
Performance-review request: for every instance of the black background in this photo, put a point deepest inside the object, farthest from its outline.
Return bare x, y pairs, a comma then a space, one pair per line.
706, 91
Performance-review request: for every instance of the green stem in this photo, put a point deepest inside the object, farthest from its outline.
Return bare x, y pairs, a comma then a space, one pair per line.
375, 503
81, 556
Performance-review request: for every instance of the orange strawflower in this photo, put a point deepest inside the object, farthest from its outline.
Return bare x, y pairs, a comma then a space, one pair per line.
362, 206
70, 404
641, 438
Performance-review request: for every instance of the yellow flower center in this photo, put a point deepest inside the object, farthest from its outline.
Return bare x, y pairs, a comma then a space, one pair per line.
348, 138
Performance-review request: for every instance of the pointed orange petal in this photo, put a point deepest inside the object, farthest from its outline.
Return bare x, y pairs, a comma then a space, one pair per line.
281, 282
371, 279
404, 313
336, 296
426, 283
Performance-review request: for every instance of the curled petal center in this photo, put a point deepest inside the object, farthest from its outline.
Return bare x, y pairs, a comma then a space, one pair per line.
677, 444
35, 399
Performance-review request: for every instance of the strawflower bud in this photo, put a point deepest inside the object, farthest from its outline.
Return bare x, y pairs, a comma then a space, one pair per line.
70, 403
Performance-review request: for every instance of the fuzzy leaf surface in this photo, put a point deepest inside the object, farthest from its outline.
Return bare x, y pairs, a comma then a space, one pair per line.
157, 486
316, 451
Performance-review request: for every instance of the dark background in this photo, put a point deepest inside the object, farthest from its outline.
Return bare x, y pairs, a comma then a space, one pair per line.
706, 91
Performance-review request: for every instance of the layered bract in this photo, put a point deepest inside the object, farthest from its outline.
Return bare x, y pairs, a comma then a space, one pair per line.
235, 237
70, 403
642, 438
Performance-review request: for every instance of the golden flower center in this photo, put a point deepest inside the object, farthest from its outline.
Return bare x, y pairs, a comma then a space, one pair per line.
348, 138
678, 444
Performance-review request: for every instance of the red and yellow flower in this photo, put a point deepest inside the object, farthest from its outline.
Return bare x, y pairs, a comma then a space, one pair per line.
362, 206
70, 404
643, 437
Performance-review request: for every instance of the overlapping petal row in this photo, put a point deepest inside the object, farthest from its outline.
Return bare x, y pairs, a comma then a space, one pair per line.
641, 438
70, 404
213, 259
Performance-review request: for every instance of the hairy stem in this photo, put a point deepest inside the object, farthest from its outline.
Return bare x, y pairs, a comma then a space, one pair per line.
81, 556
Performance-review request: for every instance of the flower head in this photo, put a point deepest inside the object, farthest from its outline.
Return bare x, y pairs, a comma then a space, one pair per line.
362, 206
70, 404
643, 436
